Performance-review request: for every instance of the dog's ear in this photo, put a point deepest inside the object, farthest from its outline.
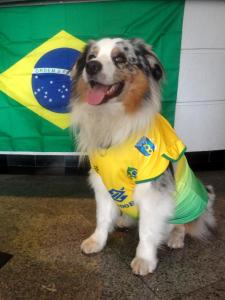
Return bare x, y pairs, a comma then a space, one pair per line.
81, 61
148, 59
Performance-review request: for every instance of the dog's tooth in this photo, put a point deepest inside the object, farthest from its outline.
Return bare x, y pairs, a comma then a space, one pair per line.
112, 89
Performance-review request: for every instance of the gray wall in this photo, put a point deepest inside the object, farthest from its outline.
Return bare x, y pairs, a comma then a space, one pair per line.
200, 111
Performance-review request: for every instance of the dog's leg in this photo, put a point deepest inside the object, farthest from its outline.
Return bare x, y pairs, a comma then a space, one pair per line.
176, 238
155, 207
124, 221
200, 228
107, 212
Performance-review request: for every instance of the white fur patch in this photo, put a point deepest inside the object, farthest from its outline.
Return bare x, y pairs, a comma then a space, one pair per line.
105, 46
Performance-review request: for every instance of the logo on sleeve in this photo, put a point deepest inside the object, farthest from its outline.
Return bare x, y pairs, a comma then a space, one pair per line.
145, 146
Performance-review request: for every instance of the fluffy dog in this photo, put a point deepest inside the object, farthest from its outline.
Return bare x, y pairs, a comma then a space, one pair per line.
138, 169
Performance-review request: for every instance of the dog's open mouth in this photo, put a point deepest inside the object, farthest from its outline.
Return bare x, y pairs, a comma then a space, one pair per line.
100, 93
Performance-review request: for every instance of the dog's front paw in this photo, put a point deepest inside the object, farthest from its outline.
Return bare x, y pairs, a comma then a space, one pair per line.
141, 266
90, 246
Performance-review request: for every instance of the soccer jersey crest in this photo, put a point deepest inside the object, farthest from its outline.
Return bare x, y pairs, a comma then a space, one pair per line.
145, 146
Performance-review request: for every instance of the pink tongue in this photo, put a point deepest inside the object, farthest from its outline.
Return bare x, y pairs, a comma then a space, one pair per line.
96, 95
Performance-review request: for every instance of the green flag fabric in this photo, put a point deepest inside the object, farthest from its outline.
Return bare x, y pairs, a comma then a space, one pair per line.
39, 45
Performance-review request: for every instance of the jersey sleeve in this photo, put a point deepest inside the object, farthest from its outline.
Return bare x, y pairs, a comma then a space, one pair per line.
174, 152
172, 147
167, 147
152, 167
151, 170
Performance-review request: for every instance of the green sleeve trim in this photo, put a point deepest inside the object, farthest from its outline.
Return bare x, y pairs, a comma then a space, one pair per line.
175, 160
148, 180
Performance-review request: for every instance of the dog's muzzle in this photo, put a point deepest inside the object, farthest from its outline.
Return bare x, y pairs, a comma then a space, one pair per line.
93, 67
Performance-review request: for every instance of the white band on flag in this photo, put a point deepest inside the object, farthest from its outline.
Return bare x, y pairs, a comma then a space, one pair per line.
51, 71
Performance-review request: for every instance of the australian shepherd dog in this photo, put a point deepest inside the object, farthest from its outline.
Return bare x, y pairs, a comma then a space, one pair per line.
137, 160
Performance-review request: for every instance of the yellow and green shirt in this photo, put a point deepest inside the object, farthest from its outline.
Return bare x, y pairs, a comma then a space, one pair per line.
144, 157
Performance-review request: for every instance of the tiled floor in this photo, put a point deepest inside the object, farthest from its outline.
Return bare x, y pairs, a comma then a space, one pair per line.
43, 220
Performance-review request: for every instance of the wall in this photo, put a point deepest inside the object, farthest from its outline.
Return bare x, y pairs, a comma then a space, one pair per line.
200, 111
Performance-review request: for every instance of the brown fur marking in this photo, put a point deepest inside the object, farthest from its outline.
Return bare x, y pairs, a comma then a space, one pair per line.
115, 51
81, 89
137, 87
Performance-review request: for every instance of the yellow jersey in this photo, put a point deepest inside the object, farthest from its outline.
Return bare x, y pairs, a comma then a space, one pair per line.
143, 157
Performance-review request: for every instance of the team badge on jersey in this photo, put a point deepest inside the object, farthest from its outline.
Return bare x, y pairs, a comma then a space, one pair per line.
145, 146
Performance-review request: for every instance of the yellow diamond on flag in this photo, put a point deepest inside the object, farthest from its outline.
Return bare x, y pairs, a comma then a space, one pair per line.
41, 80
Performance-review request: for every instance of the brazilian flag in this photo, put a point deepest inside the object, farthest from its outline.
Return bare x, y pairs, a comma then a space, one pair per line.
39, 45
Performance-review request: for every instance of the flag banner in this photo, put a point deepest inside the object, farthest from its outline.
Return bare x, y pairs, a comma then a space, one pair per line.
43, 78
40, 44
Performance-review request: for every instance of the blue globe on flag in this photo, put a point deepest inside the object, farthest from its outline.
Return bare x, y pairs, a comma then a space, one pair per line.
51, 82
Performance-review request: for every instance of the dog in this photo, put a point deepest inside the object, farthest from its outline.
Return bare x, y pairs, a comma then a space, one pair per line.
138, 168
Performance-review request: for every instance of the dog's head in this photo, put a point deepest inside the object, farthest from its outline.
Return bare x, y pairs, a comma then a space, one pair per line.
116, 70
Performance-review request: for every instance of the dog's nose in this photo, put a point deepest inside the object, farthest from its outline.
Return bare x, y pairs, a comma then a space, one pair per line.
93, 67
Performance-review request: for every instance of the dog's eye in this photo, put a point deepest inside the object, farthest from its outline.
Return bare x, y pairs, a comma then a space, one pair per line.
91, 56
120, 59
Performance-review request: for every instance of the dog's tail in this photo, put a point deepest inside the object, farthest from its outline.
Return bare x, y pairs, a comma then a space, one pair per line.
205, 225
